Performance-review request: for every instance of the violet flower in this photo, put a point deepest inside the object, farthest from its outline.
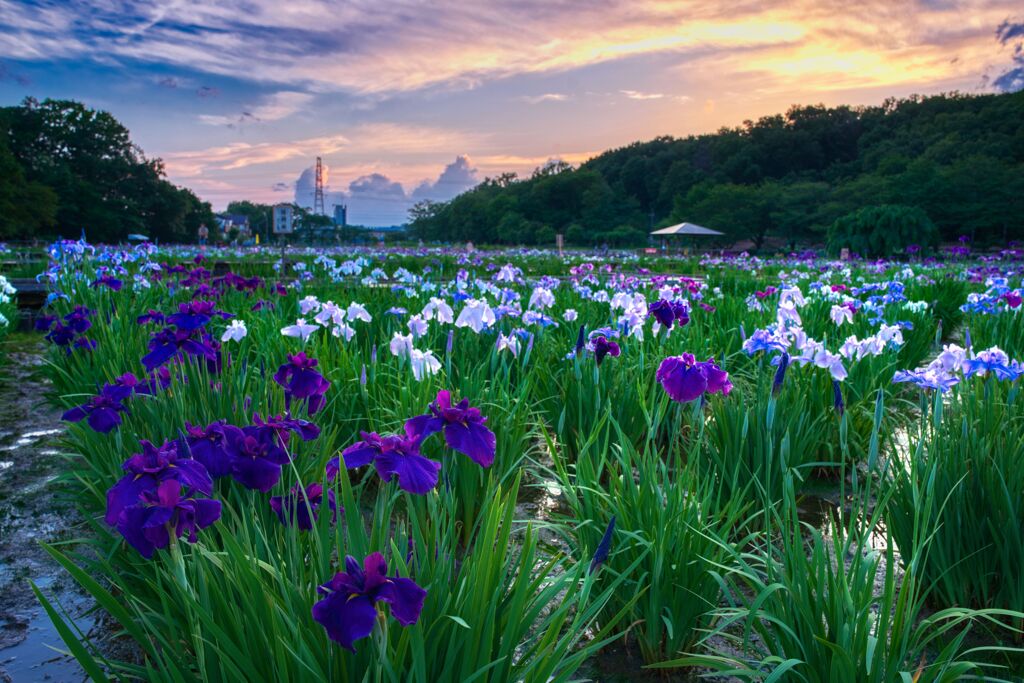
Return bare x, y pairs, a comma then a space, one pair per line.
301, 381
602, 347
685, 379
463, 426
601, 554
145, 471
102, 412
348, 611
147, 524
392, 456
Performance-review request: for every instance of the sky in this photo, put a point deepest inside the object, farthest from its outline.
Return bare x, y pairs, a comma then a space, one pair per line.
407, 100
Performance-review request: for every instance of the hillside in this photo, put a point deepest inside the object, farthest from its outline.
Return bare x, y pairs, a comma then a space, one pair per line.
783, 178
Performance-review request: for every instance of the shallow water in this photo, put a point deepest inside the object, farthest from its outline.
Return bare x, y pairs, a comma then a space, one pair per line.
29, 460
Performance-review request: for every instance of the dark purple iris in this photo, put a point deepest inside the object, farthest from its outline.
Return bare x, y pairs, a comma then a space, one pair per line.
349, 611
194, 315
302, 381
1012, 299
780, 374
301, 507
145, 471
685, 379
151, 316
255, 456
44, 322
148, 524
79, 319
282, 426
208, 446
581, 339
60, 335
107, 281
464, 428
169, 343
837, 397
392, 456
669, 312
601, 554
102, 412
603, 347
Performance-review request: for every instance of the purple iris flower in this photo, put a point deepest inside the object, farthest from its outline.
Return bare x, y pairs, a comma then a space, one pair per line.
44, 322
392, 456
661, 310
603, 347
151, 316
60, 335
283, 426
685, 379
348, 611
147, 524
581, 339
601, 554
255, 456
102, 412
668, 312
780, 374
78, 319
293, 508
195, 314
169, 343
463, 426
837, 397
302, 381
208, 445
145, 471
107, 281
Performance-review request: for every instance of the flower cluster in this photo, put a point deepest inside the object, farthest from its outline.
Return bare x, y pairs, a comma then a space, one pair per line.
956, 364
156, 499
398, 456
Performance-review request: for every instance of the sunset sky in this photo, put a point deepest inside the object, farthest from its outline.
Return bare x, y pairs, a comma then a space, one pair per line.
408, 100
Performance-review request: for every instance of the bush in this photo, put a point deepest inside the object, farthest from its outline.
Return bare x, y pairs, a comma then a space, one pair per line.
882, 231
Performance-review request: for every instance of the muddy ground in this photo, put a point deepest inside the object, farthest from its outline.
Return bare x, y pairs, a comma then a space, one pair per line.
31, 511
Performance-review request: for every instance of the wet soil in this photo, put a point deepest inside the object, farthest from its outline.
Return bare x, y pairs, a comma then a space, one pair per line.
31, 512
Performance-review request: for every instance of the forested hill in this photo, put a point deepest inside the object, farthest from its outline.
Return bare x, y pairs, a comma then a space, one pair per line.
65, 168
782, 179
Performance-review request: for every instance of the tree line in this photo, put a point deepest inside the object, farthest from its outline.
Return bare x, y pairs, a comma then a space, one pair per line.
65, 168
783, 180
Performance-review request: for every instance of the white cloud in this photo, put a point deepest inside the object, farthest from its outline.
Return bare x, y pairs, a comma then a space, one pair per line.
365, 46
546, 97
637, 95
277, 106
376, 199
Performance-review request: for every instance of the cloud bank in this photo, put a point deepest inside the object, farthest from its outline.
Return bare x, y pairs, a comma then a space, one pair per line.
375, 199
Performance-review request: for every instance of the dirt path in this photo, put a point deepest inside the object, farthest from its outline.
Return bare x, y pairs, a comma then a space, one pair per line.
30, 512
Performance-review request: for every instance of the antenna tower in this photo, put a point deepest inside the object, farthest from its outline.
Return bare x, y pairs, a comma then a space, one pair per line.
318, 194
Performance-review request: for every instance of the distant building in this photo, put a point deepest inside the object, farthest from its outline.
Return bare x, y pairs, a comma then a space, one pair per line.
341, 215
284, 219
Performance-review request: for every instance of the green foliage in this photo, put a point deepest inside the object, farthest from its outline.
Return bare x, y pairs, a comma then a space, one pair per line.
882, 231
66, 167
963, 488
671, 530
779, 180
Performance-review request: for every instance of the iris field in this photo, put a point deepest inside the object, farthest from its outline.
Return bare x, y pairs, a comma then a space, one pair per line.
430, 465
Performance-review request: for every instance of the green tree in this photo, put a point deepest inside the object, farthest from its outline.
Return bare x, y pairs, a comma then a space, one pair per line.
882, 231
26, 208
